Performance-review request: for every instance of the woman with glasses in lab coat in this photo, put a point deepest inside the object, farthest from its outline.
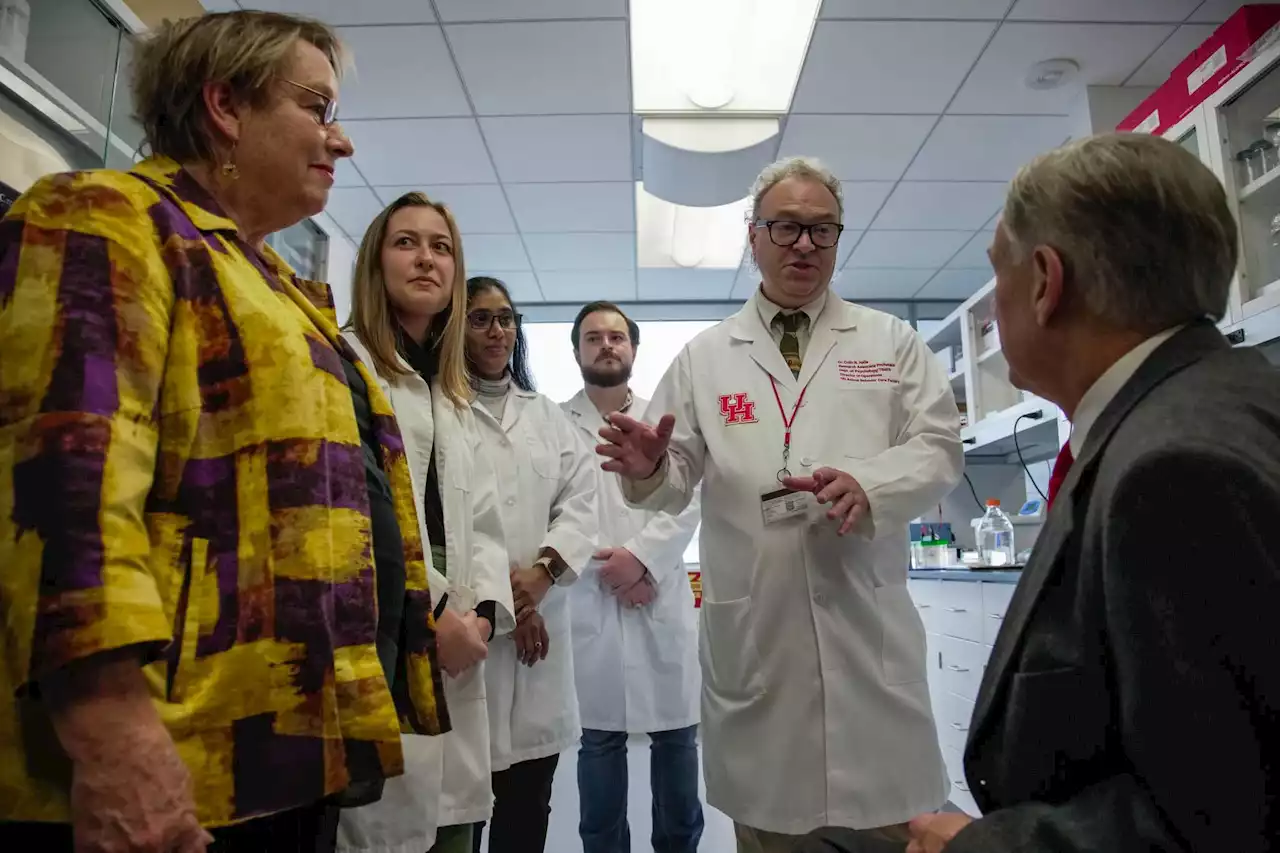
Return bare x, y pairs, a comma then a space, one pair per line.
407, 320
546, 483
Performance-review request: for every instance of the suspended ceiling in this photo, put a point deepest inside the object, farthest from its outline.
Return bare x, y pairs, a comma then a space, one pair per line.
518, 114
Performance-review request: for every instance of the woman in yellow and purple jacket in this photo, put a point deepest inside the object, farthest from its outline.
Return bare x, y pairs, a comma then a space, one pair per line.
189, 608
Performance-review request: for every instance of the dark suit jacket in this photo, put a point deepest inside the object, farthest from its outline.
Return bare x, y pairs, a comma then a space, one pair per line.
1132, 701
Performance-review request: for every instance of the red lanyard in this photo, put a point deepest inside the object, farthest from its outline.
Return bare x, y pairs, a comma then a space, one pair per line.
786, 425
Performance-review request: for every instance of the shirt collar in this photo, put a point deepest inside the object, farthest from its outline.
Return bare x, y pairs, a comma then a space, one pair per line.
195, 200
1105, 388
768, 309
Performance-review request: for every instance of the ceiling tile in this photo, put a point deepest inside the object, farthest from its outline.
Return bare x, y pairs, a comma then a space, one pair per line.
574, 207
499, 252
887, 66
880, 283
1176, 48
986, 148
388, 56
954, 284
588, 286
353, 208
544, 67
479, 208
1107, 55
1144, 11
974, 254
951, 10
678, 284
530, 149
907, 249
958, 205
346, 175
865, 147
420, 151
1215, 11
523, 285
862, 199
340, 12
519, 10
563, 252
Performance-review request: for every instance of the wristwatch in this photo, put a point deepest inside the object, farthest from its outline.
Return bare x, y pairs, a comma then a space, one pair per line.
549, 566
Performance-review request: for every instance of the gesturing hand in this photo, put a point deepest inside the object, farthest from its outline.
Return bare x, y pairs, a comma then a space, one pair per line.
634, 448
621, 569
532, 641
850, 504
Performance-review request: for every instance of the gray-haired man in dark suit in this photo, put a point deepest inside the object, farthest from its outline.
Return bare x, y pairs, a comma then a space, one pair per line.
1132, 701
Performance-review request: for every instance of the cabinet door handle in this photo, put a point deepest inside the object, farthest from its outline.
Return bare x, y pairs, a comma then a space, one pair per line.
956, 610
959, 727
923, 606
995, 615
962, 786
955, 668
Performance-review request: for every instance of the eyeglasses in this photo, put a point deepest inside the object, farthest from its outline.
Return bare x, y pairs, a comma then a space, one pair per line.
784, 232
326, 113
481, 320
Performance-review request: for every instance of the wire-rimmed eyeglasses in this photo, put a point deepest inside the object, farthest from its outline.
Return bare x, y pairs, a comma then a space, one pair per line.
326, 112
785, 232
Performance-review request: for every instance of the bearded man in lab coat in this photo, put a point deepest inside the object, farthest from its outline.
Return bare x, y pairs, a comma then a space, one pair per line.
818, 428
635, 653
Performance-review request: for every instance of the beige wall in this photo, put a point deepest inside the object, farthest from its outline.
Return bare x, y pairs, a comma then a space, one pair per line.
153, 12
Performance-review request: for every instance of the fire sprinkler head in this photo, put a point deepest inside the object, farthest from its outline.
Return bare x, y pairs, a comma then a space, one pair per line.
1052, 73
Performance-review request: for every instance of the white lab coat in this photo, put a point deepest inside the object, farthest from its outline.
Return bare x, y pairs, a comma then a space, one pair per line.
547, 498
446, 780
636, 668
815, 710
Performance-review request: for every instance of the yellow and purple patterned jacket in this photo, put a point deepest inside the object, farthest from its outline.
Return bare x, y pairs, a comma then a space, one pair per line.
181, 471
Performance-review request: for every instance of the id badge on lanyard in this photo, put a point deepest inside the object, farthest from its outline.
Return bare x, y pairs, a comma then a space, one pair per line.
777, 502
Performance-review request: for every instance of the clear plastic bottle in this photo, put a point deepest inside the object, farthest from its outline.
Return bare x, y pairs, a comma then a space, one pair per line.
995, 537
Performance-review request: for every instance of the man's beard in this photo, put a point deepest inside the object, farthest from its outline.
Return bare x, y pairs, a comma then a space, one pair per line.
606, 377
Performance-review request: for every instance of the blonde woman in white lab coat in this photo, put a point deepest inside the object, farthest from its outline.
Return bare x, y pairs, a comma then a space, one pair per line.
546, 483
407, 323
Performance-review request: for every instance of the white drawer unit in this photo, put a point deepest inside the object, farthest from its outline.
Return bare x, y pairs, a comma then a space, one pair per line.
960, 794
995, 601
960, 611
928, 596
962, 665
956, 713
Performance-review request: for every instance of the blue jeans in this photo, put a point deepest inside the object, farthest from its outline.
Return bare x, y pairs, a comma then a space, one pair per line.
673, 779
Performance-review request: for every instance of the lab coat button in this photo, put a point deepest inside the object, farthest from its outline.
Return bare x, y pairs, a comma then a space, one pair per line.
511, 501
819, 599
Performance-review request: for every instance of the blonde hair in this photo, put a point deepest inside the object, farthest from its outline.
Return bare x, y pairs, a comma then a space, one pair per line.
373, 317
1143, 228
245, 50
808, 168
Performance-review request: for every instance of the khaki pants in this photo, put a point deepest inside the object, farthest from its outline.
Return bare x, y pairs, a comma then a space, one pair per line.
760, 841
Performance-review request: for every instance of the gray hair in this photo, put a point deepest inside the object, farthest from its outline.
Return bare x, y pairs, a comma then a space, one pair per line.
808, 168
1143, 228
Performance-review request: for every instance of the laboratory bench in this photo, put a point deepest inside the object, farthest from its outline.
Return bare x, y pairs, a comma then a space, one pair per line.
962, 611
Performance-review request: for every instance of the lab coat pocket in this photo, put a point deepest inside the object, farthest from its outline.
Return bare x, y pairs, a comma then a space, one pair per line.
543, 457
466, 687
902, 651
727, 648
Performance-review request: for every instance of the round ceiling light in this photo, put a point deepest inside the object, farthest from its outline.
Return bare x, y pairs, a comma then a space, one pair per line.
1052, 73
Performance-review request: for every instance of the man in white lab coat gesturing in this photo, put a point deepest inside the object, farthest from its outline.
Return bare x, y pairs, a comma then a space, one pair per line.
635, 643
818, 428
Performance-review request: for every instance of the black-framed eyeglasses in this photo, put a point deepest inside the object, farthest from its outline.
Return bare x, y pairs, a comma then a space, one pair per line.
784, 232
481, 319
326, 113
